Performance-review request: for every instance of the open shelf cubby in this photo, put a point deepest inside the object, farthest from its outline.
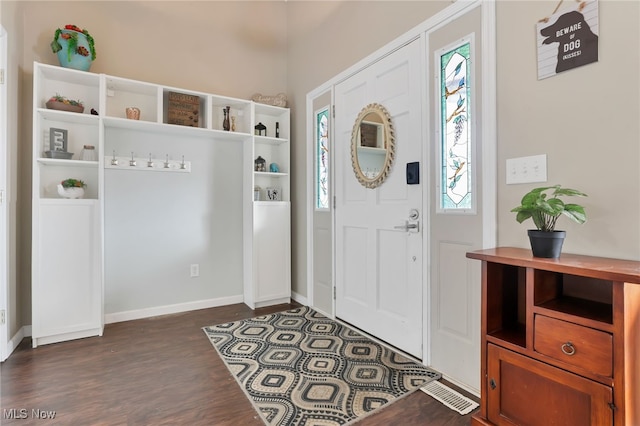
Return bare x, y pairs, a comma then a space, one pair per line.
583, 297
506, 308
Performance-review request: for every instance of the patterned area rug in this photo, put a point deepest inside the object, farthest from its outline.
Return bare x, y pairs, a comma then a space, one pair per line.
302, 368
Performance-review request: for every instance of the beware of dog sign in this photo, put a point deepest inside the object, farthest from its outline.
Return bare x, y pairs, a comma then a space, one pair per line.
568, 40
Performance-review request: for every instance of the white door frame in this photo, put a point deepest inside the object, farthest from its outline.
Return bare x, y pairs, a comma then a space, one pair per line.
311, 176
4, 201
488, 128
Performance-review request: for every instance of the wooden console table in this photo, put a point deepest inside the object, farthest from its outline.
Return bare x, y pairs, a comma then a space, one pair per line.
560, 340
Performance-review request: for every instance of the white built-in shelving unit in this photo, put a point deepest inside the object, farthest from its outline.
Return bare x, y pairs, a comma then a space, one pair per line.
267, 266
68, 235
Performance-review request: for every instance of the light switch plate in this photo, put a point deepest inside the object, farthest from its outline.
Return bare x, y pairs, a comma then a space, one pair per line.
527, 169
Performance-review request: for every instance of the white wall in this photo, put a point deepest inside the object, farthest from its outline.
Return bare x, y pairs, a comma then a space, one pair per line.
157, 224
224, 47
585, 120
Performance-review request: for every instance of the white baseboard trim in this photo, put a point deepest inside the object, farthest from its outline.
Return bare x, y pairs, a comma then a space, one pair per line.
114, 317
461, 385
171, 309
299, 298
25, 331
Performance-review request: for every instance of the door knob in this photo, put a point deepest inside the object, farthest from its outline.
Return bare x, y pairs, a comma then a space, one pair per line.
408, 227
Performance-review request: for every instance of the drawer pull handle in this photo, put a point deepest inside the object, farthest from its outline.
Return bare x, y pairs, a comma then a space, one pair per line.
568, 349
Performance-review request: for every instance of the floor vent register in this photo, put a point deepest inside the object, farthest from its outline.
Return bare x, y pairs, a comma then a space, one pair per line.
449, 397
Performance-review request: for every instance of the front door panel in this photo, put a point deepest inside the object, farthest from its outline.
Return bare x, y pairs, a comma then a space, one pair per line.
378, 266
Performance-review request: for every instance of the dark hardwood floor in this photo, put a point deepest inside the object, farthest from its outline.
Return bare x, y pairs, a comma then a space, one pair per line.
155, 371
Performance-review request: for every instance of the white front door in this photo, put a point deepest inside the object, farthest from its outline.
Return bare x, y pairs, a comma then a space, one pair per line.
457, 170
378, 266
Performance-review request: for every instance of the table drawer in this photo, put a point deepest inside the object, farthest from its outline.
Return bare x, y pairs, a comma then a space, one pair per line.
583, 347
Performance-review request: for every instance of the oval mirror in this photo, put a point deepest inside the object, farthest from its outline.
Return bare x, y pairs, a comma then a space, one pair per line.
372, 145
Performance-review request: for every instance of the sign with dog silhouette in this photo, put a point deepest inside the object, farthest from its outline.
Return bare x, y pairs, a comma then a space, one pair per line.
568, 40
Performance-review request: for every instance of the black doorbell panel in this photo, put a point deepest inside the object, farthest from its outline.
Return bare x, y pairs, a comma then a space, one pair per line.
413, 173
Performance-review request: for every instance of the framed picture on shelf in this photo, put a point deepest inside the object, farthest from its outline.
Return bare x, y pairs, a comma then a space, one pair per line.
274, 194
57, 139
183, 109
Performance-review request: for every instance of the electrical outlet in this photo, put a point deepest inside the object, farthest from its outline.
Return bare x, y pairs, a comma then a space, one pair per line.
195, 270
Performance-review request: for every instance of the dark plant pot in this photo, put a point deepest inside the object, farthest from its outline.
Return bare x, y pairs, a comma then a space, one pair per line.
546, 244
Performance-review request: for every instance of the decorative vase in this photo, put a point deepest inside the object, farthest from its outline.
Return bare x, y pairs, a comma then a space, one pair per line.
133, 113
225, 122
89, 153
77, 57
74, 192
546, 244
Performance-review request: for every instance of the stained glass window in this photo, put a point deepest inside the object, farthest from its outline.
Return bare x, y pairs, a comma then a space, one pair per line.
322, 159
456, 180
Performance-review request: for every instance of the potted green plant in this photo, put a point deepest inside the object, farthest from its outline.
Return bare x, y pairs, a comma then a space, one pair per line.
75, 47
71, 188
62, 103
544, 206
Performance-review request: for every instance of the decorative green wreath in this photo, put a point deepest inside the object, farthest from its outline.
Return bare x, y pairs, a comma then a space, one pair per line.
72, 42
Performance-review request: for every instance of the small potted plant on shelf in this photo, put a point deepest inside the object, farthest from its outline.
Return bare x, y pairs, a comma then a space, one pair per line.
63, 104
544, 207
71, 188
74, 46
